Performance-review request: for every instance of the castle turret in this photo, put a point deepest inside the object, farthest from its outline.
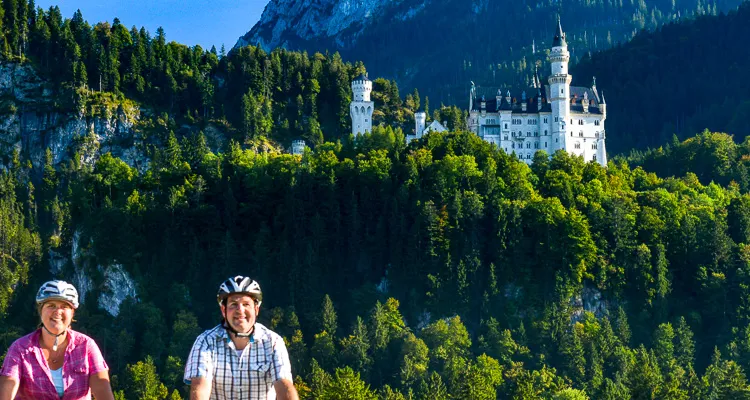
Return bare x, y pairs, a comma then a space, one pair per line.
559, 84
603, 107
361, 107
585, 102
420, 121
539, 99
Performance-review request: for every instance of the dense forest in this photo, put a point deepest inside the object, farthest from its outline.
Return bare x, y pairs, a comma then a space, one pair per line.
680, 79
439, 269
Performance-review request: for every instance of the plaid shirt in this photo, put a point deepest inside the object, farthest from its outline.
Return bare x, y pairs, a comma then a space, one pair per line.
248, 376
25, 363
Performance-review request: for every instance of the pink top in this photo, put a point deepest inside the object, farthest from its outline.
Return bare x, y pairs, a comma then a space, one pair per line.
26, 363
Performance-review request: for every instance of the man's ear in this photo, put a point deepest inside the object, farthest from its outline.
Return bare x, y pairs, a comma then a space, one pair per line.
223, 310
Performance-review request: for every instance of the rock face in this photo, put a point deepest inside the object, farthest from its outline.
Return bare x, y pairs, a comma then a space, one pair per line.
313, 19
31, 121
117, 286
590, 300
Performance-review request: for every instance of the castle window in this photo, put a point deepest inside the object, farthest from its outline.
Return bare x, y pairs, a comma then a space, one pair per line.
528, 134
536, 145
597, 135
367, 120
506, 125
593, 146
580, 122
545, 145
545, 132
528, 156
594, 157
580, 134
577, 145
571, 133
545, 120
528, 145
571, 121
536, 133
513, 145
596, 122
555, 119
557, 140
561, 90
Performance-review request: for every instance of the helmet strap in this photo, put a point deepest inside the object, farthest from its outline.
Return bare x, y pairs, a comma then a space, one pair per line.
234, 331
57, 337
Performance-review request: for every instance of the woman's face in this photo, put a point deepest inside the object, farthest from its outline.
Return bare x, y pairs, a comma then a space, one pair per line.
57, 315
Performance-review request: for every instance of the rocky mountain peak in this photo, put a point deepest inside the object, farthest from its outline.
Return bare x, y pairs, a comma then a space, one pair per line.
308, 20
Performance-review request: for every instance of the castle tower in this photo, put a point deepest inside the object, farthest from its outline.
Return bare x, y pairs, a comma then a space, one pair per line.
559, 84
420, 121
601, 149
361, 107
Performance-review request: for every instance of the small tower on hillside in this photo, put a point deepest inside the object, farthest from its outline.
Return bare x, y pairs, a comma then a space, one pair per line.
420, 122
361, 107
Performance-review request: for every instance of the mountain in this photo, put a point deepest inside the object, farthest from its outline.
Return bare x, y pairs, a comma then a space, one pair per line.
439, 46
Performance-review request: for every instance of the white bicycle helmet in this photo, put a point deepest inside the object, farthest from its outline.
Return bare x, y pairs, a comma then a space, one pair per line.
57, 290
239, 284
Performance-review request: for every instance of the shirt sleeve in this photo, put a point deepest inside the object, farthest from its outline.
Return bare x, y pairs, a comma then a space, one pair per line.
95, 358
281, 367
200, 363
12, 363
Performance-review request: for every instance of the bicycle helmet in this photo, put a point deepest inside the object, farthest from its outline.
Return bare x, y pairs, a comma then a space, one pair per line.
239, 284
57, 290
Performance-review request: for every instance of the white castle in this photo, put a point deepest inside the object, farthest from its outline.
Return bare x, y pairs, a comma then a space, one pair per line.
557, 117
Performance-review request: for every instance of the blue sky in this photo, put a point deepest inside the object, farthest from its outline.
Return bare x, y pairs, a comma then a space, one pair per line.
190, 22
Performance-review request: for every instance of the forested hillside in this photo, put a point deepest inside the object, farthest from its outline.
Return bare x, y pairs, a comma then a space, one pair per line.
438, 269
680, 79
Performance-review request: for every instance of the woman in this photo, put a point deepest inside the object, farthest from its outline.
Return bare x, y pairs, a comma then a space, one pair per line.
55, 362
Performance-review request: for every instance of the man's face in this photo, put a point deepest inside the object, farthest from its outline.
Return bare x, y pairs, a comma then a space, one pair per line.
240, 312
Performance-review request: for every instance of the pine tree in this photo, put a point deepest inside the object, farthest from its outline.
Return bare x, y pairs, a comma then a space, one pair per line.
685, 346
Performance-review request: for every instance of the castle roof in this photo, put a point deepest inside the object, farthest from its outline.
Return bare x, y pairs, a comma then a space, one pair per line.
577, 94
559, 39
492, 104
362, 77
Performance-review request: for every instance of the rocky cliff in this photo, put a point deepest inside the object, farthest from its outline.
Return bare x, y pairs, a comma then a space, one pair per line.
34, 117
284, 22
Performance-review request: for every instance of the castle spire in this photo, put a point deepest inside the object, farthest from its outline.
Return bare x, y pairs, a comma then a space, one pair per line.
559, 39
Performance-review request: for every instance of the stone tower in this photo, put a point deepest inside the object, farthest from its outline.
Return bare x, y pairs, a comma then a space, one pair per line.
361, 107
420, 121
559, 85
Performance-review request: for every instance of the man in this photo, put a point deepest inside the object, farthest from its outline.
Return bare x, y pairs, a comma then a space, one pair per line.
239, 359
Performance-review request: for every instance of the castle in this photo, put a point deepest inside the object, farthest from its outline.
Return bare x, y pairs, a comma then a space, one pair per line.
554, 117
